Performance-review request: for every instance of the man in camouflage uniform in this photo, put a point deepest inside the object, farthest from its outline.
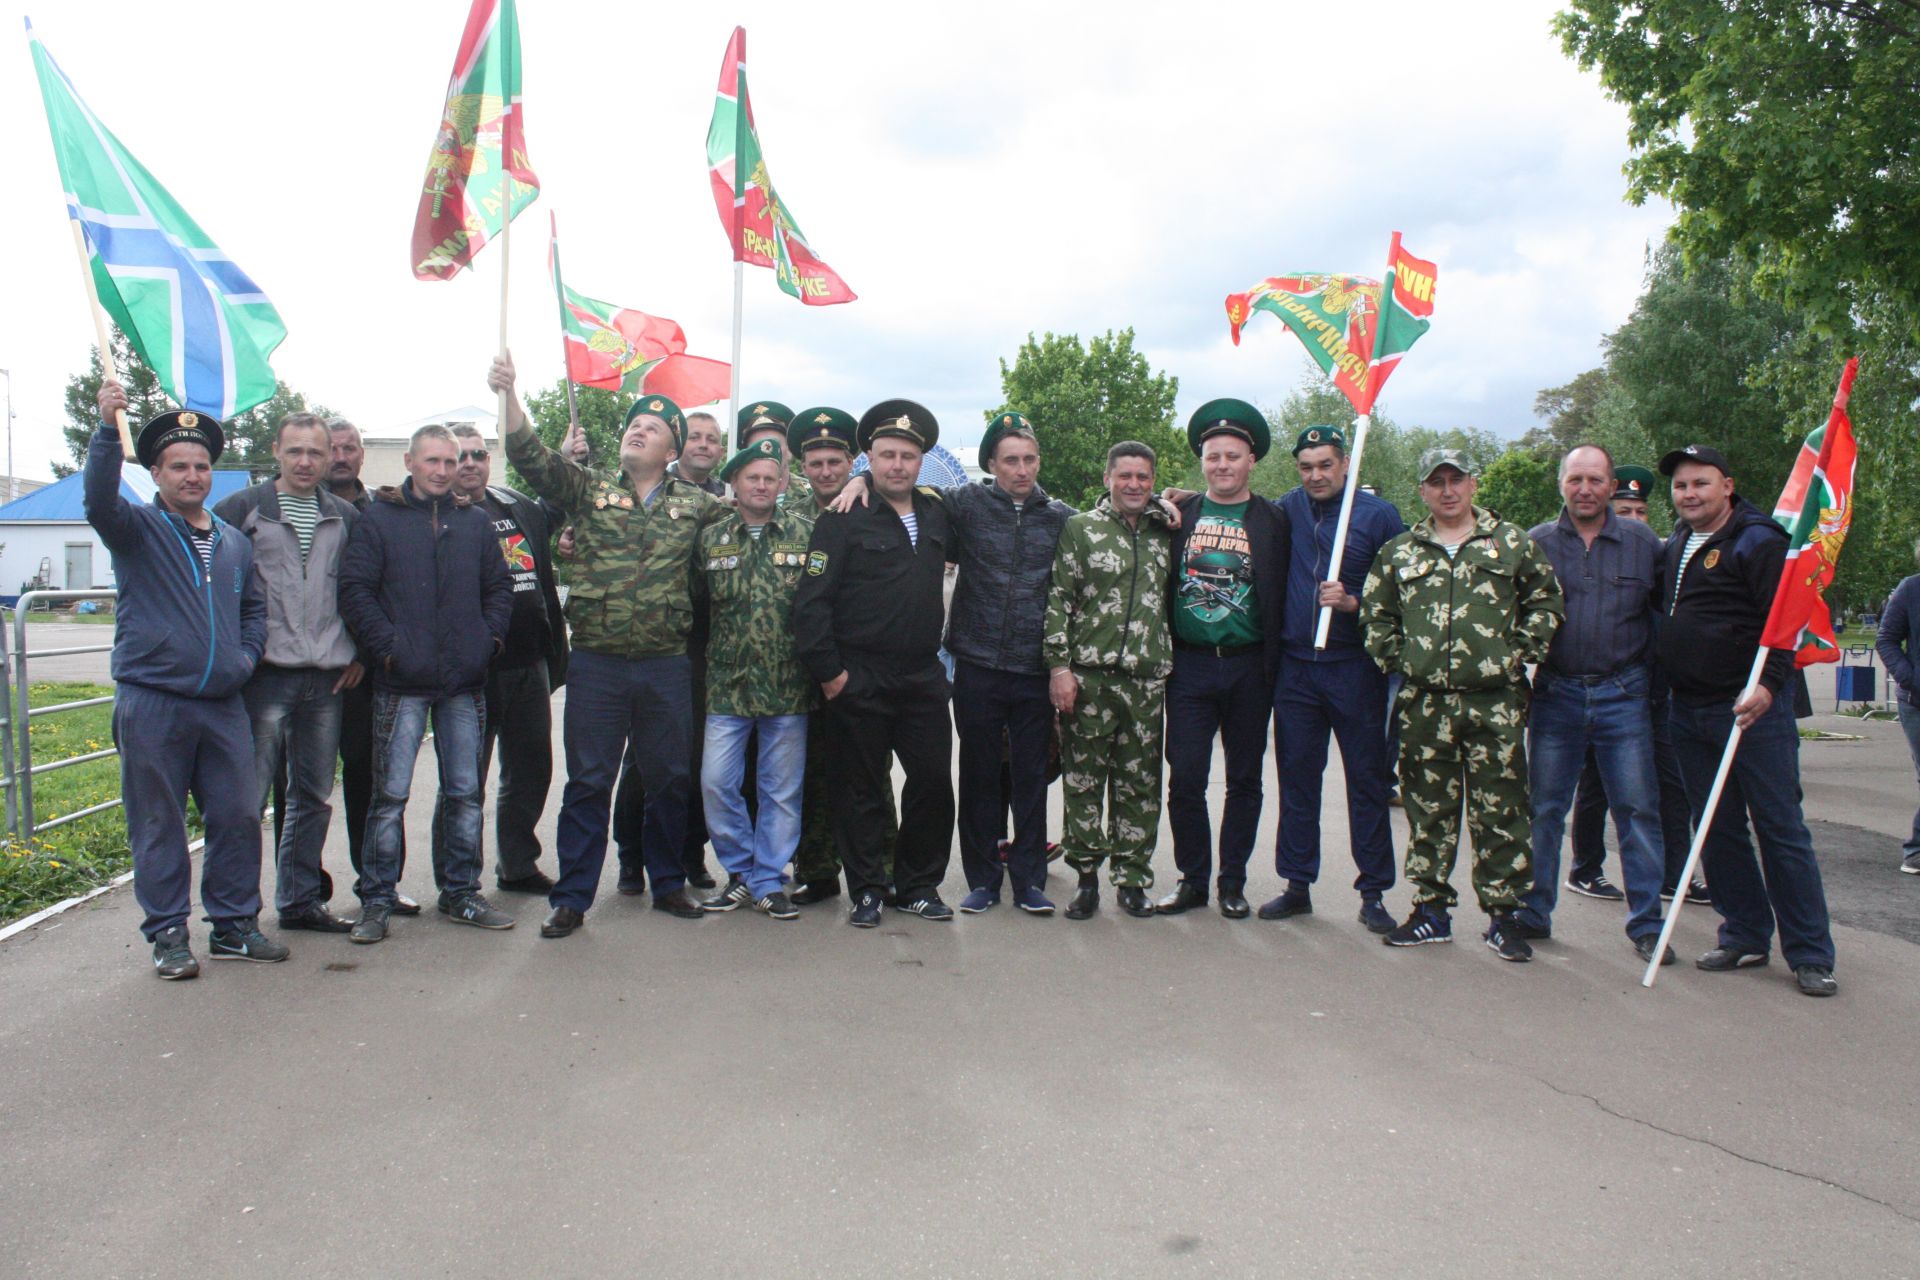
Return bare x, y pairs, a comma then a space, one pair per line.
749, 564
630, 610
1108, 650
1459, 605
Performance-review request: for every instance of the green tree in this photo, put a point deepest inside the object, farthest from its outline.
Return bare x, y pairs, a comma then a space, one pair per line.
1522, 485
602, 415
1782, 130
1085, 398
1571, 413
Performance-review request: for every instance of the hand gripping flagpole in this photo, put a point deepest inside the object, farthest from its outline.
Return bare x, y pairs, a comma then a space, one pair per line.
1706, 823
1340, 526
101, 334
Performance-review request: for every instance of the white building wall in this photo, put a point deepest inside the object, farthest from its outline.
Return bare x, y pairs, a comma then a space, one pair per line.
22, 545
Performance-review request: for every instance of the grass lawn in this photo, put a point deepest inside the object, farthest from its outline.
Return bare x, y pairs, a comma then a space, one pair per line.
87, 619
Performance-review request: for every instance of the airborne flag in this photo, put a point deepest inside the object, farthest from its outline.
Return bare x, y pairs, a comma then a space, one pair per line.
1816, 509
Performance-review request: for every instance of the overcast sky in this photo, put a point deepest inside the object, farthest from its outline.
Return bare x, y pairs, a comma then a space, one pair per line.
974, 175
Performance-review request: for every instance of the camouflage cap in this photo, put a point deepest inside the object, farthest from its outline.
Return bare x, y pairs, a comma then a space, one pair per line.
765, 449
1316, 437
1004, 421
769, 413
1633, 482
179, 426
1434, 459
820, 427
664, 409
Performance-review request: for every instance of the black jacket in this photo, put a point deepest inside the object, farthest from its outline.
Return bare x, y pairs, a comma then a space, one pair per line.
536, 520
1005, 554
1710, 633
426, 590
870, 597
1271, 542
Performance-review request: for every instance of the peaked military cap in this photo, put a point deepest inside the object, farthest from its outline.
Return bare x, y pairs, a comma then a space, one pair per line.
664, 409
900, 420
764, 449
1702, 453
1317, 437
181, 426
1434, 459
1229, 417
1633, 482
770, 413
1004, 421
820, 427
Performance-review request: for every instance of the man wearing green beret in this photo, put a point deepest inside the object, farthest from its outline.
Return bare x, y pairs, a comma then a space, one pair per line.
630, 611
749, 564
1459, 605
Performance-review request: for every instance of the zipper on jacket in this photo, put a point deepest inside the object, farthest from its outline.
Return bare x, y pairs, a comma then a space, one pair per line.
1133, 592
1006, 614
203, 580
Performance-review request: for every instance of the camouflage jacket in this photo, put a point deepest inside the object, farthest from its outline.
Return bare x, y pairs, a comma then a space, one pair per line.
752, 669
1107, 606
1471, 622
632, 592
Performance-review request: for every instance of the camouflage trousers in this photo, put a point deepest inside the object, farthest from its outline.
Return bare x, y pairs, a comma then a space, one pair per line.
1110, 751
818, 857
1472, 747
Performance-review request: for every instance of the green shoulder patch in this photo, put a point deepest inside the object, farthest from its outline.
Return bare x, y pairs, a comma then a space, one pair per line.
816, 563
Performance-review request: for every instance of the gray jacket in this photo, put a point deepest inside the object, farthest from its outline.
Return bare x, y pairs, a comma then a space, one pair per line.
304, 626
1005, 554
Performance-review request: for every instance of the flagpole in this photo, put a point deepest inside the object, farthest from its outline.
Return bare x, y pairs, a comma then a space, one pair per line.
1340, 526
509, 127
101, 334
566, 351
1706, 823
739, 210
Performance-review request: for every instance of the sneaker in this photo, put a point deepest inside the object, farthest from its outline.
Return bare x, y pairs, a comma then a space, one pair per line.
1373, 914
1911, 864
1816, 980
1699, 895
535, 881
1033, 902
372, 924
734, 895
866, 911
1596, 886
928, 907
812, 891
980, 900
315, 917
1426, 924
474, 909
173, 955
242, 940
776, 906
1643, 947
1531, 932
1722, 959
1504, 939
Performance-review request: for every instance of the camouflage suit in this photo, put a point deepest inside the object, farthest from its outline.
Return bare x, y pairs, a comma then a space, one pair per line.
1107, 620
1461, 632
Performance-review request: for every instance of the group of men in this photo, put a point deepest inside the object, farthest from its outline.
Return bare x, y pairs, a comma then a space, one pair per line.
759, 653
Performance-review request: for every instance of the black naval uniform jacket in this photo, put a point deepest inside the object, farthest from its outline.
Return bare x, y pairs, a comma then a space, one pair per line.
872, 603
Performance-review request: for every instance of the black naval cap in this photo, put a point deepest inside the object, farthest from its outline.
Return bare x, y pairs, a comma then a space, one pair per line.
181, 426
761, 413
899, 420
821, 427
1702, 453
1231, 417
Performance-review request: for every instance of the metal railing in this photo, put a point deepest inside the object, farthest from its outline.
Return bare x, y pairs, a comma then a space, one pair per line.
17, 769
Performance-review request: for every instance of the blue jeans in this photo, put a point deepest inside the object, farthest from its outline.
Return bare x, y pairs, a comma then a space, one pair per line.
1613, 717
399, 724
1910, 721
757, 848
1233, 699
296, 727
1763, 788
1347, 698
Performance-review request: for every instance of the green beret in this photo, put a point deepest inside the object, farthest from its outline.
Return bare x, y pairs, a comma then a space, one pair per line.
761, 412
768, 449
1316, 437
1004, 421
1633, 482
180, 426
820, 427
1229, 417
664, 409
900, 420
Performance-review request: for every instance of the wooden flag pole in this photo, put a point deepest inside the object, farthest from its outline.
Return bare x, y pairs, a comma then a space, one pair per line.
566, 350
739, 211
1706, 824
1340, 526
101, 334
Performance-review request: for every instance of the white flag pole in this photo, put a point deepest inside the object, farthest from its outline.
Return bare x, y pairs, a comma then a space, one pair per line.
1706, 825
1340, 527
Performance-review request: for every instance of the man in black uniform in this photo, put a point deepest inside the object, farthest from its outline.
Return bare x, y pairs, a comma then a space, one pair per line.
867, 622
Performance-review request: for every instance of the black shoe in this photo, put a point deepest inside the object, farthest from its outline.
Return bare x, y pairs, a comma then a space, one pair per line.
1185, 898
1531, 932
866, 911
1643, 947
679, 903
532, 882
1505, 940
473, 908
1596, 886
927, 906
701, 879
562, 921
372, 924
1699, 895
173, 955
776, 906
405, 906
1373, 914
1296, 901
812, 891
734, 895
315, 918
242, 940
1086, 897
1134, 901
1723, 959
632, 886
1233, 904
1816, 980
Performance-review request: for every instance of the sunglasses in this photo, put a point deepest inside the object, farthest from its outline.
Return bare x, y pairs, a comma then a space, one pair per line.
473, 455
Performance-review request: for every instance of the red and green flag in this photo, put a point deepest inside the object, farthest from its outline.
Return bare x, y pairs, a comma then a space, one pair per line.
1816, 509
479, 160
1354, 327
758, 224
624, 350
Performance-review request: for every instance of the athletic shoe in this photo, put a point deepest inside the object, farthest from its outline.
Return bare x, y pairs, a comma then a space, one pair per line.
1531, 932
1643, 947
1596, 886
1373, 914
1816, 980
1505, 940
980, 900
776, 906
1699, 895
535, 881
866, 911
734, 895
372, 924
1426, 924
928, 907
242, 940
1722, 959
1033, 902
474, 909
812, 891
315, 917
1911, 864
173, 955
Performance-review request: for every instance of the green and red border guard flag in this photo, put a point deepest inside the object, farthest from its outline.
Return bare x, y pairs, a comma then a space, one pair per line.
481, 150
757, 222
1343, 322
1816, 509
